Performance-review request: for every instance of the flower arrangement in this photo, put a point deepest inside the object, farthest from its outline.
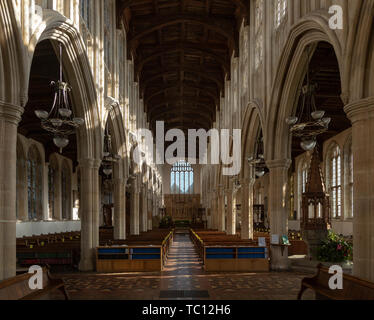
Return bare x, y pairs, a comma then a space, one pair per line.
335, 249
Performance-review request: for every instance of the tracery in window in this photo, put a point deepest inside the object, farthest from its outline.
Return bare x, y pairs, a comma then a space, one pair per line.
34, 180
348, 168
335, 185
52, 173
182, 178
21, 180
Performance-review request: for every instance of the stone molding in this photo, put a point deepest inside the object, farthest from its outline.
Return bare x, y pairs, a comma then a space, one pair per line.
280, 163
10, 112
90, 163
360, 110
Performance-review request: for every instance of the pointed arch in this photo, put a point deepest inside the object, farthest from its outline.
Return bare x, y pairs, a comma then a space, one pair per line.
113, 118
12, 57
290, 73
359, 65
253, 122
58, 28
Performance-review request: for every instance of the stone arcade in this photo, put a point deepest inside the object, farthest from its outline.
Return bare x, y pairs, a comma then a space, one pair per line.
209, 64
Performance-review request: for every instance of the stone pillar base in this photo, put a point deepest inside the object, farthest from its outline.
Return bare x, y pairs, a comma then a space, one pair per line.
87, 264
279, 262
313, 239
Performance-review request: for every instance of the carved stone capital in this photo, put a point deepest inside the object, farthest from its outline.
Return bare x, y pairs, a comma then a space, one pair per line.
360, 110
280, 163
90, 163
10, 112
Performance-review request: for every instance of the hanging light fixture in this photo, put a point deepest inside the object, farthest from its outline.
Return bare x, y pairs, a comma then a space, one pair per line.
258, 162
310, 122
60, 120
109, 157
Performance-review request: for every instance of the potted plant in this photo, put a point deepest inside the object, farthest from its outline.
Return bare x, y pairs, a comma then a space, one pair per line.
335, 249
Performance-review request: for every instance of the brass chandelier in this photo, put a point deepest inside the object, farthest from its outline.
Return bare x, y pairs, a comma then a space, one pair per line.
258, 162
310, 122
60, 120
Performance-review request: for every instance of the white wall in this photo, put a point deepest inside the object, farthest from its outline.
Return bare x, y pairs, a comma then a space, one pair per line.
340, 227
27, 229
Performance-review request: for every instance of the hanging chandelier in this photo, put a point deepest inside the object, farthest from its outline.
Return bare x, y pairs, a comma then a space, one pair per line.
109, 157
310, 122
60, 120
258, 162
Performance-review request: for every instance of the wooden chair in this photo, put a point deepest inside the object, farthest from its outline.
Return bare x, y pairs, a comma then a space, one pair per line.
353, 288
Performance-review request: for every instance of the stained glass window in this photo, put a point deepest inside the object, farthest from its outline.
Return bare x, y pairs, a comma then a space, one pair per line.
51, 190
335, 182
182, 178
33, 183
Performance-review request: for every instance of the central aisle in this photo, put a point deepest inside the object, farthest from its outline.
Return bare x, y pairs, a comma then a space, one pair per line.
183, 276
185, 279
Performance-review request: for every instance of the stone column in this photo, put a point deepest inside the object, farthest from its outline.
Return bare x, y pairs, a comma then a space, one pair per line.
214, 214
119, 209
134, 214
150, 206
89, 212
144, 212
278, 210
209, 210
247, 209
231, 218
58, 196
221, 210
10, 116
154, 206
361, 114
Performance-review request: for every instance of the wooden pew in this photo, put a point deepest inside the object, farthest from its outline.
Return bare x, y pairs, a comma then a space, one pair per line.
17, 288
222, 252
353, 288
147, 252
51, 249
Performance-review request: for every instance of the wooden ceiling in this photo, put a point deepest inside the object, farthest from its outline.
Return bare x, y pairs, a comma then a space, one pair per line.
182, 51
324, 71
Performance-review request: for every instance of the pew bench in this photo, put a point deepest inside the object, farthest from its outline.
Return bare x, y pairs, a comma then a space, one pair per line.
353, 288
229, 253
17, 288
147, 253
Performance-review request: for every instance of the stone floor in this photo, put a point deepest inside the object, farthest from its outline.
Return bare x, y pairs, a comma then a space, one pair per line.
184, 279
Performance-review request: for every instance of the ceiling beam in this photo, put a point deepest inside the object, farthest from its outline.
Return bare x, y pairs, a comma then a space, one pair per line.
177, 85
201, 72
225, 27
160, 108
178, 46
195, 113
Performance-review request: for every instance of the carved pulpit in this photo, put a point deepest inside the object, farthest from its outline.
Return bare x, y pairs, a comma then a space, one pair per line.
315, 221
